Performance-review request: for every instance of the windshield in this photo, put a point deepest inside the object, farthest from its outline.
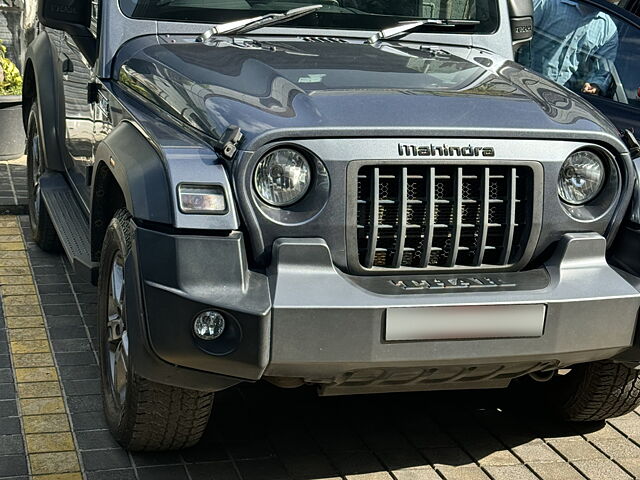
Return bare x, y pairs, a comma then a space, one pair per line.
343, 14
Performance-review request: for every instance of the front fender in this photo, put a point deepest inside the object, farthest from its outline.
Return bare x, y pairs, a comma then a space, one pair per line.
139, 171
42, 58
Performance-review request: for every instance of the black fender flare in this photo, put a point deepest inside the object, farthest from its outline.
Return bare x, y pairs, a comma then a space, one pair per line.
139, 171
42, 58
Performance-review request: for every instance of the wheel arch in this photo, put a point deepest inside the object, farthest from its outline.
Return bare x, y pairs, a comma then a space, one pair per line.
128, 173
41, 81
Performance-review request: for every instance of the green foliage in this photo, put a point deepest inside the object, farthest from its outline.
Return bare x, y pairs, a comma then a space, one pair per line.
10, 79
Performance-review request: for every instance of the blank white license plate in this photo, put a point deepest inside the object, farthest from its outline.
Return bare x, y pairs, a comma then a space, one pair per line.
484, 321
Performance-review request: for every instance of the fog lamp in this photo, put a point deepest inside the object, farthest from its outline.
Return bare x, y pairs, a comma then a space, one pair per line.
209, 325
202, 199
581, 177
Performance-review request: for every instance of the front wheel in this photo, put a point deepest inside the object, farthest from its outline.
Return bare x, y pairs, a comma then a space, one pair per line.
142, 415
595, 391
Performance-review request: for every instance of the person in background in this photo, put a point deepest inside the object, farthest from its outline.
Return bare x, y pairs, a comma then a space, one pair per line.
573, 44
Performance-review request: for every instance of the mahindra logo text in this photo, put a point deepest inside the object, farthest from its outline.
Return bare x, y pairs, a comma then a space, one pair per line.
444, 151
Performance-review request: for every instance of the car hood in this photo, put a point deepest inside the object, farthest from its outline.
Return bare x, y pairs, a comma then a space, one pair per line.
321, 83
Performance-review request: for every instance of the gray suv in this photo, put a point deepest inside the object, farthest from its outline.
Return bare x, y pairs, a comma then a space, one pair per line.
362, 195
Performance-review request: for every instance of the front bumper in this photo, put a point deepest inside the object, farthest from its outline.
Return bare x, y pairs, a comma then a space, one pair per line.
303, 319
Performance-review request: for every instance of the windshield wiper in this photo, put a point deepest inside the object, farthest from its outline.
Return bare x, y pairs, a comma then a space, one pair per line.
405, 27
248, 24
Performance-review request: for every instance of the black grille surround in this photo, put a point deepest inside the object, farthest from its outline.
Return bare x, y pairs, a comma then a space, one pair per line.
442, 216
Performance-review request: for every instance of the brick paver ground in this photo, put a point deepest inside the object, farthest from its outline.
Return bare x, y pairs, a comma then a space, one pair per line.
258, 432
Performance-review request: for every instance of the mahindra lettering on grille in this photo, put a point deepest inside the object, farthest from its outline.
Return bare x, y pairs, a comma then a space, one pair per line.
425, 216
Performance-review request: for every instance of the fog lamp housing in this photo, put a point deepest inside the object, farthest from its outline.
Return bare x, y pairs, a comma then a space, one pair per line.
209, 325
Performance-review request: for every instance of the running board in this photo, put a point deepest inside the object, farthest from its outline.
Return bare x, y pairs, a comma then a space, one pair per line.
70, 222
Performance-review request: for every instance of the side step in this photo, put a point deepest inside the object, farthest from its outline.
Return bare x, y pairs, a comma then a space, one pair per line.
70, 222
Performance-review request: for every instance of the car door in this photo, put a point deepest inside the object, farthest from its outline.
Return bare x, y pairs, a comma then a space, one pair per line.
590, 42
78, 82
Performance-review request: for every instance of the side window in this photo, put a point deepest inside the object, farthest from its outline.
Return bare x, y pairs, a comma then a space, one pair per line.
585, 49
95, 12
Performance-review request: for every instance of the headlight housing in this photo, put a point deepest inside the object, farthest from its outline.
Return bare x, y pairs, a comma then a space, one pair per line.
581, 177
282, 177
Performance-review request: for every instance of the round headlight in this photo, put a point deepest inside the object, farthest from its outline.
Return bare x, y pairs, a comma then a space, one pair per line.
282, 177
581, 177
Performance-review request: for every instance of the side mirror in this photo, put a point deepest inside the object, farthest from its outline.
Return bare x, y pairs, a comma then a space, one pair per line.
521, 17
72, 17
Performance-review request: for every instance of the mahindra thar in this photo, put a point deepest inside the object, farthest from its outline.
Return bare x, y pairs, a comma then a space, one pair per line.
362, 195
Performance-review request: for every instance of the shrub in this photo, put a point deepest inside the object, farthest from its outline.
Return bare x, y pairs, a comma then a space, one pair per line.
10, 79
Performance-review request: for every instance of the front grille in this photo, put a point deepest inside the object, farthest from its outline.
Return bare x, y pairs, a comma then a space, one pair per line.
439, 217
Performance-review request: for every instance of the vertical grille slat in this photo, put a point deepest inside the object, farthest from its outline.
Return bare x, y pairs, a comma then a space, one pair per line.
373, 230
402, 217
430, 197
484, 218
511, 216
437, 217
457, 218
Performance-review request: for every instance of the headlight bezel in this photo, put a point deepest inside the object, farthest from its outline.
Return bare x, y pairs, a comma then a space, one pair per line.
601, 181
606, 199
298, 198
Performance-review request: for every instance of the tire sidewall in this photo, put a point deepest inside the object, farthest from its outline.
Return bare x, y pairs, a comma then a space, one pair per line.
33, 128
116, 240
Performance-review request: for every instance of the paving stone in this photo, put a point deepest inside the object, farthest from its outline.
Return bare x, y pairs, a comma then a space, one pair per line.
398, 459
13, 465
468, 472
149, 459
30, 346
75, 358
618, 448
39, 390
555, 471
49, 442
88, 421
59, 476
6, 375
82, 387
18, 289
416, 473
71, 345
66, 332
17, 334
41, 406
105, 459
33, 360
601, 470
162, 473
55, 462
576, 449
26, 299
85, 403
262, 469
10, 445
5, 361
510, 472
8, 408
309, 466
95, 439
22, 310
24, 322
355, 463
7, 392
10, 425
16, 280
45, 423
215, 471
449, 456
78, 372
36, 374
120, 474
631, 465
